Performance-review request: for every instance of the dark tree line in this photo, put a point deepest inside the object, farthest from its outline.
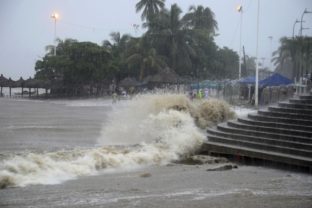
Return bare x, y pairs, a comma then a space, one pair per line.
183, 44
294, 56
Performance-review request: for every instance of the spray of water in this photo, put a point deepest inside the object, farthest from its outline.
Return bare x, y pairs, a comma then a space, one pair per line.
148, 130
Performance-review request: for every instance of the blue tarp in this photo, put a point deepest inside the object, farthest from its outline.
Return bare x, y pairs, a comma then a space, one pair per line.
273, 80
248, 80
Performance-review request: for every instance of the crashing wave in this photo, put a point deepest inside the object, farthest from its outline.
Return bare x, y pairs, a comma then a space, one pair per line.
148, 130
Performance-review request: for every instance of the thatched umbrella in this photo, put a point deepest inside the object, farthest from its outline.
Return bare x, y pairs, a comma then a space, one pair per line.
3, 83
10, 83
129, 82
165, 77
20, 83
32, 83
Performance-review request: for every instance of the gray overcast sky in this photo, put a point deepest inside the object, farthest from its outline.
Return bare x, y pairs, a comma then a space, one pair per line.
26, 27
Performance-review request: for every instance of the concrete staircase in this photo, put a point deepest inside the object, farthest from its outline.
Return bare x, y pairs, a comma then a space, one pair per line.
281, 134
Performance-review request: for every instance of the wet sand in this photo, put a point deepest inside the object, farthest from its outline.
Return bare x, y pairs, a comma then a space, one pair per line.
171, 186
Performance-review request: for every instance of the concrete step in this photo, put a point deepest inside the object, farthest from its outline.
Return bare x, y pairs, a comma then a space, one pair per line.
260, 146
290, 110
285, 115
308, 96
239, 125
228, 149
268, 141
301, 101
295, 138
295, 105
274, 124
295, 122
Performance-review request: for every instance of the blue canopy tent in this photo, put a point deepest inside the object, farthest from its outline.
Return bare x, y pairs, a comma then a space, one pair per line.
275, 80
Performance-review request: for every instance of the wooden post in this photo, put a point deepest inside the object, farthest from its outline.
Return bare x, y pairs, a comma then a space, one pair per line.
10, 91
29, 92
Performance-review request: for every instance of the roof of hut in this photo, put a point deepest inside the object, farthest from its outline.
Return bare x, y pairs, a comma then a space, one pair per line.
3, 81
10, 83
35, 83
129, 82
20, 82
163, 77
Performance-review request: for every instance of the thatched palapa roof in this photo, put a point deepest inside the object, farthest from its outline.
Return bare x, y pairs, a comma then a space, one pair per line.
3, 81
167, 77
129, 82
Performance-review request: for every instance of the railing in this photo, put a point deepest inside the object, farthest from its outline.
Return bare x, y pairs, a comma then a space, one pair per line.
237, 94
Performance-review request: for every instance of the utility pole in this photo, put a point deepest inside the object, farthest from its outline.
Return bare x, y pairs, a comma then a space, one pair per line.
240, 10
55, 16
270, 57
257, 65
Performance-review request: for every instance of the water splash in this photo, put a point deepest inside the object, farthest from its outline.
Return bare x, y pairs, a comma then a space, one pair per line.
148, 130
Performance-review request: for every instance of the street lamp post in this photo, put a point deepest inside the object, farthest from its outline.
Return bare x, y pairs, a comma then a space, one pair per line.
270, 58
297, 21
257, 65
240, 10
304, 12
55, 16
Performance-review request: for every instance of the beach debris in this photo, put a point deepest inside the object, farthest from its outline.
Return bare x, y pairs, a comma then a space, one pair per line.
222, 167
202, 159
145, 175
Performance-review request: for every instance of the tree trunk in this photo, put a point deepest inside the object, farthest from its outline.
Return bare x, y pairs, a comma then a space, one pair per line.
142, 73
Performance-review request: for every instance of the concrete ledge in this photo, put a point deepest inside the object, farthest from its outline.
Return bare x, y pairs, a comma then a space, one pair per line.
273, 129
285, 115
295, 105
302, 101
214, 147
290, 110
260, 146
274, 124
295, 122
226, 128
271, 141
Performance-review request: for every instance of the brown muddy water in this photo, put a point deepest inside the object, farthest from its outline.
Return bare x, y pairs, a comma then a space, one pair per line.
90, 153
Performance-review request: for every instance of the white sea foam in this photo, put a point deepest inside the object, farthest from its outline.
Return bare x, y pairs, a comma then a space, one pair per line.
149, 130
85, 102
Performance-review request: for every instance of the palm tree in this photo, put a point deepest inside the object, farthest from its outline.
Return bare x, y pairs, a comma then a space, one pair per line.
168, 35
150, 8
297, 51
200, 18
144, 57
118, 50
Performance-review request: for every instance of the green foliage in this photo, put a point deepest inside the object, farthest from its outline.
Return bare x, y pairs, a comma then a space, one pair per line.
183, 44
297, 51
75, 64
150, 8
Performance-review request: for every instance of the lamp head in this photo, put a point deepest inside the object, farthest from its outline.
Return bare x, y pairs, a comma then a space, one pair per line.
55, 16
239, 8
306, 11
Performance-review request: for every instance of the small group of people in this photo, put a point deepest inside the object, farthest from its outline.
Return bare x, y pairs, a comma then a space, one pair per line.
199, 94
